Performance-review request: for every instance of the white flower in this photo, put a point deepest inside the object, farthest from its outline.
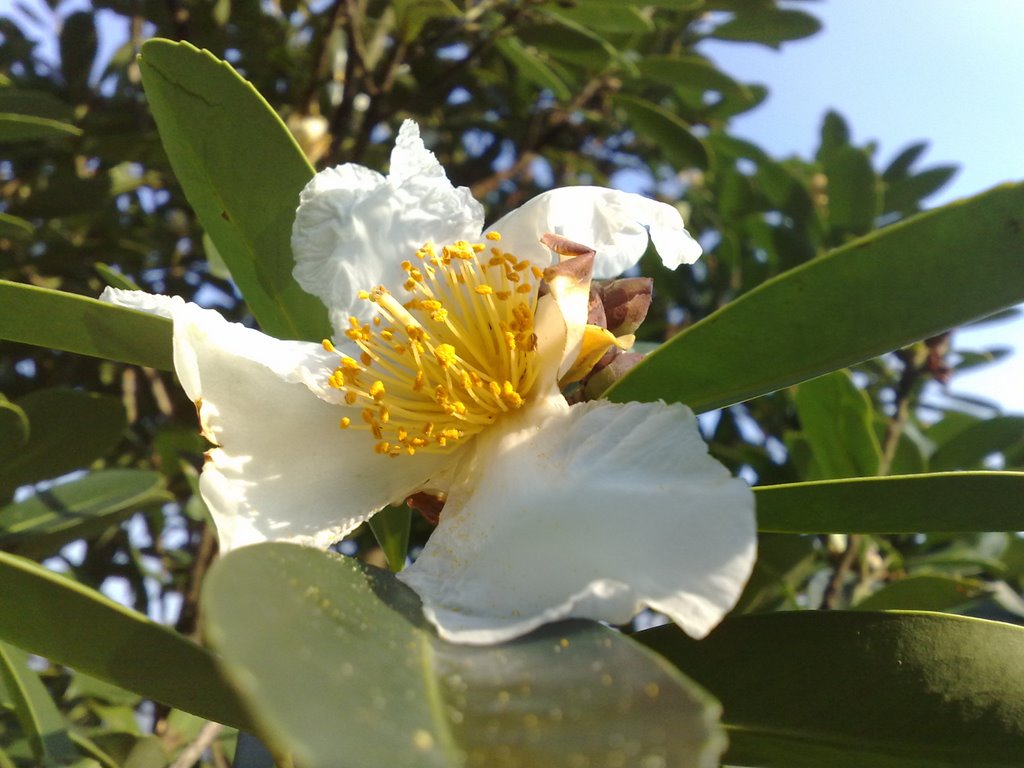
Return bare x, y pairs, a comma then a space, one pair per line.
443, 377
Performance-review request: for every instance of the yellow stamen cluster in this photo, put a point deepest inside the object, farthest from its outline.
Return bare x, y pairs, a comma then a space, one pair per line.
450, 360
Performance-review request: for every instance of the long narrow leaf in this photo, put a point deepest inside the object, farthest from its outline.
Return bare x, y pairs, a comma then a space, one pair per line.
51, 616
87, 326
948, 502
883, 291
242, 172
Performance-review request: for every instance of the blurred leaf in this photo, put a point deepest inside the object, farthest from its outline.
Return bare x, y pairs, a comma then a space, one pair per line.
854, 194
782, 563
79, 509
945, 502
968, 447
767, 26
68, 429
906, 194
836, 418
886, 690
242, 173
567, 41
28, 115
414, 14
903, 283
114, 278
39, 717
613, 18
57, 618
13, 429
78, 44
14, 128
390, 527
347, 666
663, 129
835, 136
922, 593
689, 72
532, 67
15, 227
900, 165
86, 326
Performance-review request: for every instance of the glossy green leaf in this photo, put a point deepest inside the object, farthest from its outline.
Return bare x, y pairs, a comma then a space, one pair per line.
836, 418
86, 326
900, 284
41, 721
79, 509
49, 615
242, 173
768, 26
531, 66
969, 447
951, 502
68, 429
664, 129
885, 690
346, 673
922, 593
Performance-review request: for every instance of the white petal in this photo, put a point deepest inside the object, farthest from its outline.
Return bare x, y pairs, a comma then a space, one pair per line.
613, 223
282, 468
354, 227
594, 513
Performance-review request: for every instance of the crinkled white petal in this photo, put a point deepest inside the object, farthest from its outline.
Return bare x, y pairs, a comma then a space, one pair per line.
593, 512
354, 227
282, 469
615, 224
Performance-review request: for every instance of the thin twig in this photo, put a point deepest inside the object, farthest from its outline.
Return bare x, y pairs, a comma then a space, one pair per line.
191, 754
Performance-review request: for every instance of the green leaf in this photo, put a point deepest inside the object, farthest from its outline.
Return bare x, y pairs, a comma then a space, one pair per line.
115, 278
895, 286
900, 165
16, 128
951, 502
969, 447
27, 115
886, 690
767, 26
690, 73
242, 173
52, 616
16, 227
836, 418
529, 63
79, 509
68, 429
13, 429
390, 527
86, 326
854, 193
923, 593
665, 130
346, 673
618, 18
907, 193
39, 717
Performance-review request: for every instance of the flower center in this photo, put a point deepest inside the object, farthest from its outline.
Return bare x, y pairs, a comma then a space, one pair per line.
452, 359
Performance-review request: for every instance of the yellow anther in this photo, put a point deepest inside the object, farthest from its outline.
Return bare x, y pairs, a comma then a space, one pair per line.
351, 397
377, 391
382, 447
365, 358
417, 384
345, 421
445, 354
484, 290
510, 340
503, 295
368, 416
328, 346
350, 364
364, 295
493, 236
524, 288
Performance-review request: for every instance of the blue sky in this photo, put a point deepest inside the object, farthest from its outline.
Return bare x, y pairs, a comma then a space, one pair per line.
947, 71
